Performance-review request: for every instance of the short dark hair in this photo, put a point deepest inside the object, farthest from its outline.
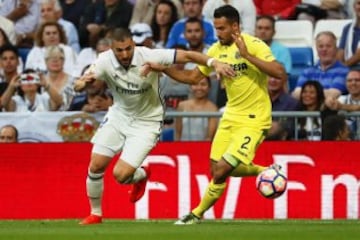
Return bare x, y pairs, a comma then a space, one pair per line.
9, 47
332, 127
267, 17
121, 34
228, 12
194, 20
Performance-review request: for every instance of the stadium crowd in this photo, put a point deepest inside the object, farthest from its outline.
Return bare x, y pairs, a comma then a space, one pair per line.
45, 45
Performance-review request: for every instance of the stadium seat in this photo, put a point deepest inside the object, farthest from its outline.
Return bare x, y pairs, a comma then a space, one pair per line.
23, 52
301, 57
333, 25
293, 33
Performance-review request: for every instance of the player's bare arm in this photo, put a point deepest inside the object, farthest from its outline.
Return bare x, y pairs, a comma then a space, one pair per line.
84, 81
221, 69
273, 69
192, 76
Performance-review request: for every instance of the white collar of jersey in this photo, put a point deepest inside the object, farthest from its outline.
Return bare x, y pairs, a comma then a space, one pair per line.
134, 60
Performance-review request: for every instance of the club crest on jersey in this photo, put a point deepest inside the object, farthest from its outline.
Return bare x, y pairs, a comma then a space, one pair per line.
237, 55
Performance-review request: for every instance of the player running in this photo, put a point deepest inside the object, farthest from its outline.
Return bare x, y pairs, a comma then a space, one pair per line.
247, 115
134, 122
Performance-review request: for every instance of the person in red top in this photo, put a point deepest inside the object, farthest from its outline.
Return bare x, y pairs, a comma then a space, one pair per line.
279, 9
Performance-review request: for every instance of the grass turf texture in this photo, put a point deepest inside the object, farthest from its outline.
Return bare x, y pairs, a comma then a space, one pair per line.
165, 230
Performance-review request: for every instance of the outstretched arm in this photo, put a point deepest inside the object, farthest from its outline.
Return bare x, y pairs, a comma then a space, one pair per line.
221, 69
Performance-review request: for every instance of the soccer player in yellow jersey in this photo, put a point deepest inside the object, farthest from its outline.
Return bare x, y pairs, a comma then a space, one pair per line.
247, 115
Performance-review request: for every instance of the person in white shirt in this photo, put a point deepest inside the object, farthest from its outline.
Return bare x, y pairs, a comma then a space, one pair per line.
28, 98
51, 11
50, 34
133, 124
25, 14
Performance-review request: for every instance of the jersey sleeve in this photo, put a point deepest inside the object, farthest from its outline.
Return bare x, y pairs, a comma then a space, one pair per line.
162, 56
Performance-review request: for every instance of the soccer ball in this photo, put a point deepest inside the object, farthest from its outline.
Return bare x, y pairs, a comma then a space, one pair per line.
271, 183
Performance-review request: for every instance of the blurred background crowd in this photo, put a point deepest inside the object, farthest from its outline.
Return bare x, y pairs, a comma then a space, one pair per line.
46, 44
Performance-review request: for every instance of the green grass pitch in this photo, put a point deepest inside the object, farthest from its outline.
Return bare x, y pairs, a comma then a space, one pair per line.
165, 230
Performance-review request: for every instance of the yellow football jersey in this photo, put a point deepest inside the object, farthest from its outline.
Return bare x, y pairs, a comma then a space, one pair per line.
248, 100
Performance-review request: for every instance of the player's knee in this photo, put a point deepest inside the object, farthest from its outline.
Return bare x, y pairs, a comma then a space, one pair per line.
96, 168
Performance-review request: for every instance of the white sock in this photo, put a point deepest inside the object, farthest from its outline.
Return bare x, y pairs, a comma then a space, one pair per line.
138, 175
95, 188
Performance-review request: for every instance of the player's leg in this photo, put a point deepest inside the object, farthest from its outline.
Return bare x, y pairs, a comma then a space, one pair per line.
107, 142
100, 159
220, 169
128, 170
216, 187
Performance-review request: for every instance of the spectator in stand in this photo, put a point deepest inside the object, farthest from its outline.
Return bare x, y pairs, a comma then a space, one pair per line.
9, 62
25, 14
88, 55
314, 10
192, 128
50, 34
192, 8
246, 9
103, 14
194, 34
7, 28
265, 30
349, 102
142, 35
329, 72
55, 75
349, 48
165, 15
335, 128
278, 131
51, 12
279, 9
4, 41
312, 98
29, 99
73, 10
8, 134
281, 101
144, 10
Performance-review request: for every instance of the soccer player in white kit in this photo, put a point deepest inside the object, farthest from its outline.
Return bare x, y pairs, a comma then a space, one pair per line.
133, 123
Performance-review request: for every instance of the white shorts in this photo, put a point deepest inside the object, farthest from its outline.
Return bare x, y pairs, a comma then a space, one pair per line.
133, 137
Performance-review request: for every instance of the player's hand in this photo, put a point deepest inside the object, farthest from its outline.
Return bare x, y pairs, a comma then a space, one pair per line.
239, 41
84, 81
151, 66
223, 70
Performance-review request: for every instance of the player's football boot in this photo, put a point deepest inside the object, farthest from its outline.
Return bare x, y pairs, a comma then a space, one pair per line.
91, 219
188, 219
138, 189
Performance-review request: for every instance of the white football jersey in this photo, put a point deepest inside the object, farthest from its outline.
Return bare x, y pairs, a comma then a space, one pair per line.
134, 96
